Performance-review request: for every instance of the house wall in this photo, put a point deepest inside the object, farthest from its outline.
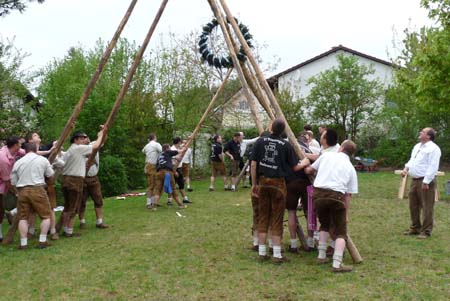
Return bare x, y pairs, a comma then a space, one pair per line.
296, 81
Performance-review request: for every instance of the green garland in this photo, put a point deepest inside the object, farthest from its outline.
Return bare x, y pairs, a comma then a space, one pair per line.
220, 61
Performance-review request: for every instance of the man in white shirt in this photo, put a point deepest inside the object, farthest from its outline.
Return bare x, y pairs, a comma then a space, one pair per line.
93, 189
186, 163
335, 182
422, 167
28, 176
74, 173
245, 143
152, 150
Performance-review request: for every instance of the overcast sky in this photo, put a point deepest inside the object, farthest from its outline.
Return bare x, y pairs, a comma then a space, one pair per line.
294, 30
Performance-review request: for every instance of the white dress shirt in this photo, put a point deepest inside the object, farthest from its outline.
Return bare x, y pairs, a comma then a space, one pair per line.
31, 170
75, 160
424, 161
152, 151
335, 172
187, 158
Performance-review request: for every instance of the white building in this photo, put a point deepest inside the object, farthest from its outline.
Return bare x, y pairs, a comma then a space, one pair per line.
295, 79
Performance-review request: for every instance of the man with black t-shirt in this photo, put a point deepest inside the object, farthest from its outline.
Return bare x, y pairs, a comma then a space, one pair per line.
217, 162
233, 151
272, 160
164, 175
296, 184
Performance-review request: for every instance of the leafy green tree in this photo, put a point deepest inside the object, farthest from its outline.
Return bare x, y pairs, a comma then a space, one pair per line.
16, 102
6, 6
344, 95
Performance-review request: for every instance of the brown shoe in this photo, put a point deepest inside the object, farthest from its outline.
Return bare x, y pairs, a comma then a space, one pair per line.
43, 245
330, 251
293, 250
262, 258
322, 260
71, 235
281, 260
342, 269
423, 236
54, 236
411, 232
83, 226
19, 247
101, 226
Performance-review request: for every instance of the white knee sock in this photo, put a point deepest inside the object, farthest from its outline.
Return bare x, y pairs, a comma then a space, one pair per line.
310, 242
42, 238
322, 250
1, 234
31, 230
277, 251
23, 241
294, 243
337, 258
262, 250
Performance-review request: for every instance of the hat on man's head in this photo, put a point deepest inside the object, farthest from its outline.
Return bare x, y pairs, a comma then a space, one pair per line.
76, 135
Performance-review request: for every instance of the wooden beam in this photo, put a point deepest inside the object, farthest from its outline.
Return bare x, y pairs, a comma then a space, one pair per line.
87, 91
128, 80
206, 113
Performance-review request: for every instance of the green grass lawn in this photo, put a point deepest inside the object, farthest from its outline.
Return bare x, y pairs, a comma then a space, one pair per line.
204, 255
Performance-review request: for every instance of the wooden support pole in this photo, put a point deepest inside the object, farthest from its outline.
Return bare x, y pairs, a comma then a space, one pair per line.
257, 90
403, 185
77, 110
301, 236
208, 110
262, 81
128, 80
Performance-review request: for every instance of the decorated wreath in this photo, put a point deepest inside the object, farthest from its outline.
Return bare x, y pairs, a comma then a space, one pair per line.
214, 59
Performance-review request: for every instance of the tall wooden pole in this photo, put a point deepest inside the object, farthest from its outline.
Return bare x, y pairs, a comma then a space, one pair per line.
76, 112
260, 77
128, 80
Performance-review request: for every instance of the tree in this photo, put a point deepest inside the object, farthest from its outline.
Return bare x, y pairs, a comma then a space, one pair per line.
420, 95
16, 102
6, 6
344, 96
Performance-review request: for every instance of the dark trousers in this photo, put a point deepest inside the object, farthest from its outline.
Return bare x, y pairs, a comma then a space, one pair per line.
419, 199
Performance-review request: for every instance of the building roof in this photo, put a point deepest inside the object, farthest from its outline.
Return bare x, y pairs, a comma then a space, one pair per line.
274, 79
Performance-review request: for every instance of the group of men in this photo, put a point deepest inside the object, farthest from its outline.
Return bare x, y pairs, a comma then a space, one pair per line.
280, 179
234, 150
167, 167
26, 173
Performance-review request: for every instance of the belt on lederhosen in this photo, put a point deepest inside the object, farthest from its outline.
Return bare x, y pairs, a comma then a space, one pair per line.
275, 183
330, 195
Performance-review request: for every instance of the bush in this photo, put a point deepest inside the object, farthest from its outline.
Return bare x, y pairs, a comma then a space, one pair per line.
112, 175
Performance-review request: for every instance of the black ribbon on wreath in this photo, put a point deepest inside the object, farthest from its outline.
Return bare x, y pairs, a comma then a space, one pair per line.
220, 61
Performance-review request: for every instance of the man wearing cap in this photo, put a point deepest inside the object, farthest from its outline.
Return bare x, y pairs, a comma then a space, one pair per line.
422, 167
74, 173
28, 176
